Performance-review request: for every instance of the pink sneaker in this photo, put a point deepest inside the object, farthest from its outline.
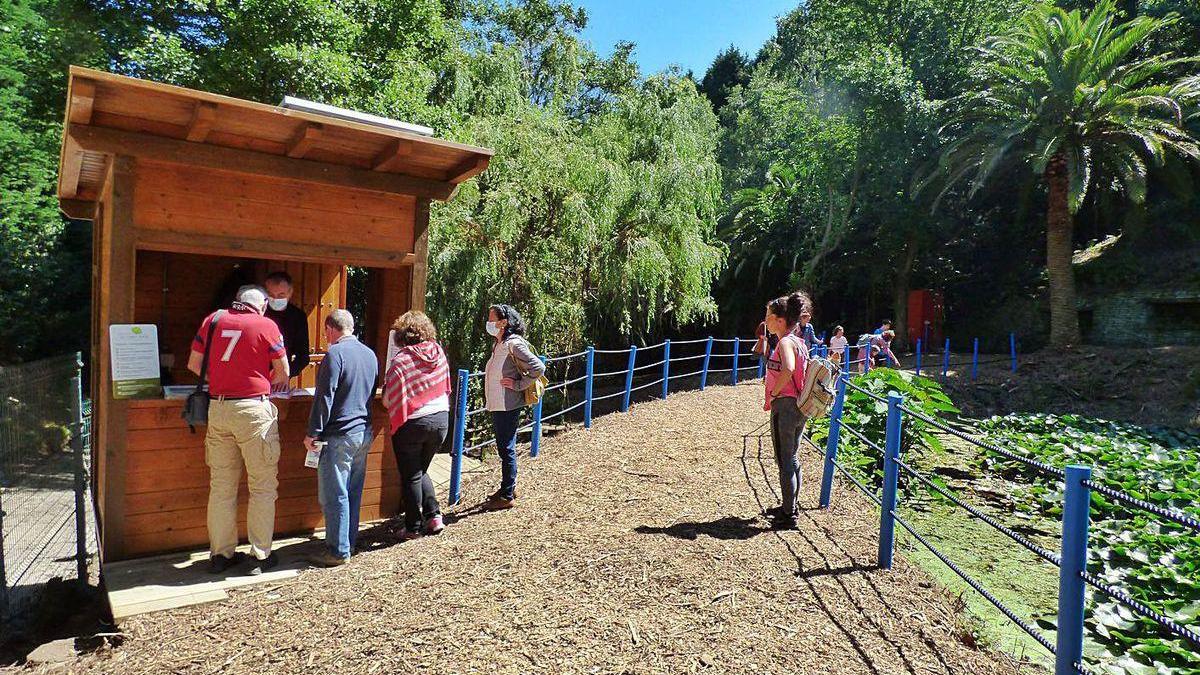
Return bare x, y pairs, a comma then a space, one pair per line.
434, 525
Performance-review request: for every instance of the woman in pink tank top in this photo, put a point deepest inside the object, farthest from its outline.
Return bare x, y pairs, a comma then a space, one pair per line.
784, 380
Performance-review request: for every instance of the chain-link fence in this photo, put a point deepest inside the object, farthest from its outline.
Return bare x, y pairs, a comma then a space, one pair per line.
47, 526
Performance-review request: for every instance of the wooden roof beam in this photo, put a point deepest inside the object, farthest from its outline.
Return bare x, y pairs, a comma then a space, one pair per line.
190, 242
78, 209
203, 115
70, 169
304, 139
466, 169
83, 99
117, 142
396, 150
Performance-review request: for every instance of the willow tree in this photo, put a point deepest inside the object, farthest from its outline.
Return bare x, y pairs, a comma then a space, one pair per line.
1077, 100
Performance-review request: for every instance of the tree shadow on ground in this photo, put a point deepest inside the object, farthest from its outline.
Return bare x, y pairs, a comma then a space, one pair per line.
830, 569
729, 527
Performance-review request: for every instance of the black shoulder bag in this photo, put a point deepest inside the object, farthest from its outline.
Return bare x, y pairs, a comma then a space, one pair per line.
195, 409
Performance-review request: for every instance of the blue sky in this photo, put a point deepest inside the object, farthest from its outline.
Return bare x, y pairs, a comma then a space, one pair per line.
685, 32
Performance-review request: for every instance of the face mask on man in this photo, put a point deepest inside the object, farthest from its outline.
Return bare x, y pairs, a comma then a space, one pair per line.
492, 329
278, 304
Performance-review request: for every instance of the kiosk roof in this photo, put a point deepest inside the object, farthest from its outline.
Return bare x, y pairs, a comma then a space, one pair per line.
111, 114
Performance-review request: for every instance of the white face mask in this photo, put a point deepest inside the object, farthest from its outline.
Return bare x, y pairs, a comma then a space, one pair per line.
492, 329
278, 304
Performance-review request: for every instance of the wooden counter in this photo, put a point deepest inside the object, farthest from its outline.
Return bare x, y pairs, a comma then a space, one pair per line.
166, 478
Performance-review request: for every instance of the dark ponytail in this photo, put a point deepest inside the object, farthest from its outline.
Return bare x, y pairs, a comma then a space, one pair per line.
790, 307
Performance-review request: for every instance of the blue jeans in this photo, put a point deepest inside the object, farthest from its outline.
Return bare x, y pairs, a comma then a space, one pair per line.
505, 425
340, 476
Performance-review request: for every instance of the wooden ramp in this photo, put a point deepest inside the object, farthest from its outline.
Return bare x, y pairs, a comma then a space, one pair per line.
180, 579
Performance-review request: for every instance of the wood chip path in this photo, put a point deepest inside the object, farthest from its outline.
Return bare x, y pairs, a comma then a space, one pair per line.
638, 547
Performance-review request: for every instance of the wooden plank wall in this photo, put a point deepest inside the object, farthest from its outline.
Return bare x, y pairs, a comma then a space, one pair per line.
167, 480
189, 199
194, 284
115, 279
388, 296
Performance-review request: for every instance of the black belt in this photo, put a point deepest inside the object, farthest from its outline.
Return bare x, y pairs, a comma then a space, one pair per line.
260, 397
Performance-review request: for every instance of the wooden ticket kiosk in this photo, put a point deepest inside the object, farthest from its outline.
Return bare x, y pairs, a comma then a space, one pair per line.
192, 193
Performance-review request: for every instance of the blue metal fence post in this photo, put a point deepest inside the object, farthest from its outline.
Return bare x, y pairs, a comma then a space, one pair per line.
918, 356
1077, 499
666, 367
891, 472
587, 388
1012, 349
736, 348
867, 358
460, 432
629, 378
535, 438
707, 356
975, 360
835, 433
946, 358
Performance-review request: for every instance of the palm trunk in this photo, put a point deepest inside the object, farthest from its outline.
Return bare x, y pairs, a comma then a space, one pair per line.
1060, 229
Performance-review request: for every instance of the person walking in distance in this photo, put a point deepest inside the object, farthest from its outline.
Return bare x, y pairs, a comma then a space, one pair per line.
416, 392
784, 381
245, 357
341, 419
805, 331
837, 344
512, 368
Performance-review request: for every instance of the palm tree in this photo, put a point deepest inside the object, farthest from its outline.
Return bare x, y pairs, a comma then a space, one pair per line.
1076, 100
765, 225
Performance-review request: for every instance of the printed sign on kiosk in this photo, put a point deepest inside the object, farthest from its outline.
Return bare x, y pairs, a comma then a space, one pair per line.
135, 371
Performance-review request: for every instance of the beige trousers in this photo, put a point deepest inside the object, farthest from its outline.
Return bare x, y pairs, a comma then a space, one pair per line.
245, 431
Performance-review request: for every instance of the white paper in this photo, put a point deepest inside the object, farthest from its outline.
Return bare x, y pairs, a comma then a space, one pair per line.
133, 352
392, 349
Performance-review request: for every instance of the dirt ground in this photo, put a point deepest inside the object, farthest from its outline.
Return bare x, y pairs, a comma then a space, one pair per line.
1155, 386
638, 547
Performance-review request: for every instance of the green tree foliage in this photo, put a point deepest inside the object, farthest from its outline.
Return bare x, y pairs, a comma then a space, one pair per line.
45, 274
731, 68
1069, 97
843, 100
597, 217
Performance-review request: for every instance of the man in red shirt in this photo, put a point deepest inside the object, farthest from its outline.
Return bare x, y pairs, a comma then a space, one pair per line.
246, 356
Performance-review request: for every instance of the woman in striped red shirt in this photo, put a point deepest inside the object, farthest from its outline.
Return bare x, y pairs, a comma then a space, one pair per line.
416, 392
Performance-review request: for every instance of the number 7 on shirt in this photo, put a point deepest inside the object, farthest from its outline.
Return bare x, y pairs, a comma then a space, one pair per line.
235, 335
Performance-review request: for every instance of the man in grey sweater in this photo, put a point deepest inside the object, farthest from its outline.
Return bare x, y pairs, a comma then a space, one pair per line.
341, 418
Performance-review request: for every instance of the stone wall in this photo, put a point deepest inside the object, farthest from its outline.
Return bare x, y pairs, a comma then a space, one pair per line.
1142, 317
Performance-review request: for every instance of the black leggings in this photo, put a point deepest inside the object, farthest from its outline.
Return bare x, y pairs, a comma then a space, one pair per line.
415, 444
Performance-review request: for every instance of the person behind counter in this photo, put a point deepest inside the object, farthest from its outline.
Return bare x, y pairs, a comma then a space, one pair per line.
292, 320
246, 357
341, 418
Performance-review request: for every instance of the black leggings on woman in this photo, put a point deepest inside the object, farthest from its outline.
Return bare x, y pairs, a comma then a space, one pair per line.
415, 443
